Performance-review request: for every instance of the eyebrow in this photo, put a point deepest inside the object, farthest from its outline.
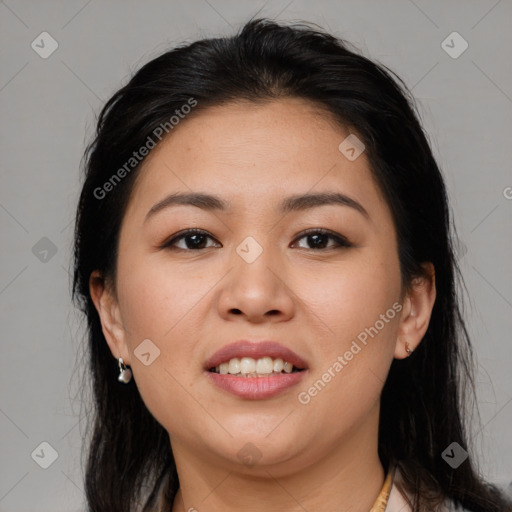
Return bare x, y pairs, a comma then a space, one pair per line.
298, 202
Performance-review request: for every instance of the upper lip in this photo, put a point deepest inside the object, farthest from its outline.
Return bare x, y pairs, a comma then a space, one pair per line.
256, 350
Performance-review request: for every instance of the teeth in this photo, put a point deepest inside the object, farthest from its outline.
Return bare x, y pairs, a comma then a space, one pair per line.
249, 367
234, 366
264, 365
278, 365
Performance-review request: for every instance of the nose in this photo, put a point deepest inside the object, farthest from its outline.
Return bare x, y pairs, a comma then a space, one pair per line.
257, 291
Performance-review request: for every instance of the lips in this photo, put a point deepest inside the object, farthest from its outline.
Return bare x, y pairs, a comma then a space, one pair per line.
252, 386
256, 350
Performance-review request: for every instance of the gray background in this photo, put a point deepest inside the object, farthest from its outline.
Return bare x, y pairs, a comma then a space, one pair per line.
48, 107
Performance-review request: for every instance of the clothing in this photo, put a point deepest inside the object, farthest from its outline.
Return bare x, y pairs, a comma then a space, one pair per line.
390, 499
383, 497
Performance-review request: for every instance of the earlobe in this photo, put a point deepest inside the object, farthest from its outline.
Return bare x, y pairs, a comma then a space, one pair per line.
108, 310
418, 305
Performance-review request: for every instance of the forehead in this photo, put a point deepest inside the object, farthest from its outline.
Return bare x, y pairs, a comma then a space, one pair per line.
253, 153
247, 128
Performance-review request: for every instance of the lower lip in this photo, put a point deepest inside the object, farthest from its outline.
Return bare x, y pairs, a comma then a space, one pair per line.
256, 388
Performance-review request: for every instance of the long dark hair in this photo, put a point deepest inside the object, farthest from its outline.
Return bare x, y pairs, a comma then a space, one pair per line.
422, 406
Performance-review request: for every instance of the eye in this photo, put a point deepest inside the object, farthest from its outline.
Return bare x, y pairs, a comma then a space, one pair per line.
193, 239
319, 237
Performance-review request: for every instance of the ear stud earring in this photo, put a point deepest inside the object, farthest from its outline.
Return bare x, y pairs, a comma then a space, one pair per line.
408, 349
125, 374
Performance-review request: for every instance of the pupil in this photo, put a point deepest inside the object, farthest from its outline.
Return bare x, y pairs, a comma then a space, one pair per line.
316, 237
195, 245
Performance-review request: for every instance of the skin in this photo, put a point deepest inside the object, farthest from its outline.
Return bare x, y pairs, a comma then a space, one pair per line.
189, 303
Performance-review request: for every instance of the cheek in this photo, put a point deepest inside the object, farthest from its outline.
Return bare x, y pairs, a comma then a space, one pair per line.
155, 298
157, 304
359, 308
154, 302
351, 297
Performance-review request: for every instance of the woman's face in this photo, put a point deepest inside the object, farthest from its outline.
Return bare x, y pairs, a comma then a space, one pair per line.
255, 275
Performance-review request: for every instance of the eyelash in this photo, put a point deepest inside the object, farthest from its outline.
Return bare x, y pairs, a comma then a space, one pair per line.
341, 240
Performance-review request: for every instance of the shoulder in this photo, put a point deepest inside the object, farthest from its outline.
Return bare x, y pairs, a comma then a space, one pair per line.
398, 500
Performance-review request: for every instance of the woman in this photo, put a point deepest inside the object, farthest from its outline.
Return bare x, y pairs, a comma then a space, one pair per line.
264, 255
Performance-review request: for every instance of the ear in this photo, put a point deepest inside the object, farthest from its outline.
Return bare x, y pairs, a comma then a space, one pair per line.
108, 310
417, 309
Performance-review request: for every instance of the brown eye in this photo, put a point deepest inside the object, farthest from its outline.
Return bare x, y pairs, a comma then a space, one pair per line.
197, 239
319, 239
193, 239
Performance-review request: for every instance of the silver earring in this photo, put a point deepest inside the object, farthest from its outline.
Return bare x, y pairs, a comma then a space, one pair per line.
125, 374
407, 349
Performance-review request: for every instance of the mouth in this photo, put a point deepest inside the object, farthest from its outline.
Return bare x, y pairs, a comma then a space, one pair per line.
255, 371
249, 367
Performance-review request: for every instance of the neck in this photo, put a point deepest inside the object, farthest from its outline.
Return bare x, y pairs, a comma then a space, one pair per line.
348, 477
